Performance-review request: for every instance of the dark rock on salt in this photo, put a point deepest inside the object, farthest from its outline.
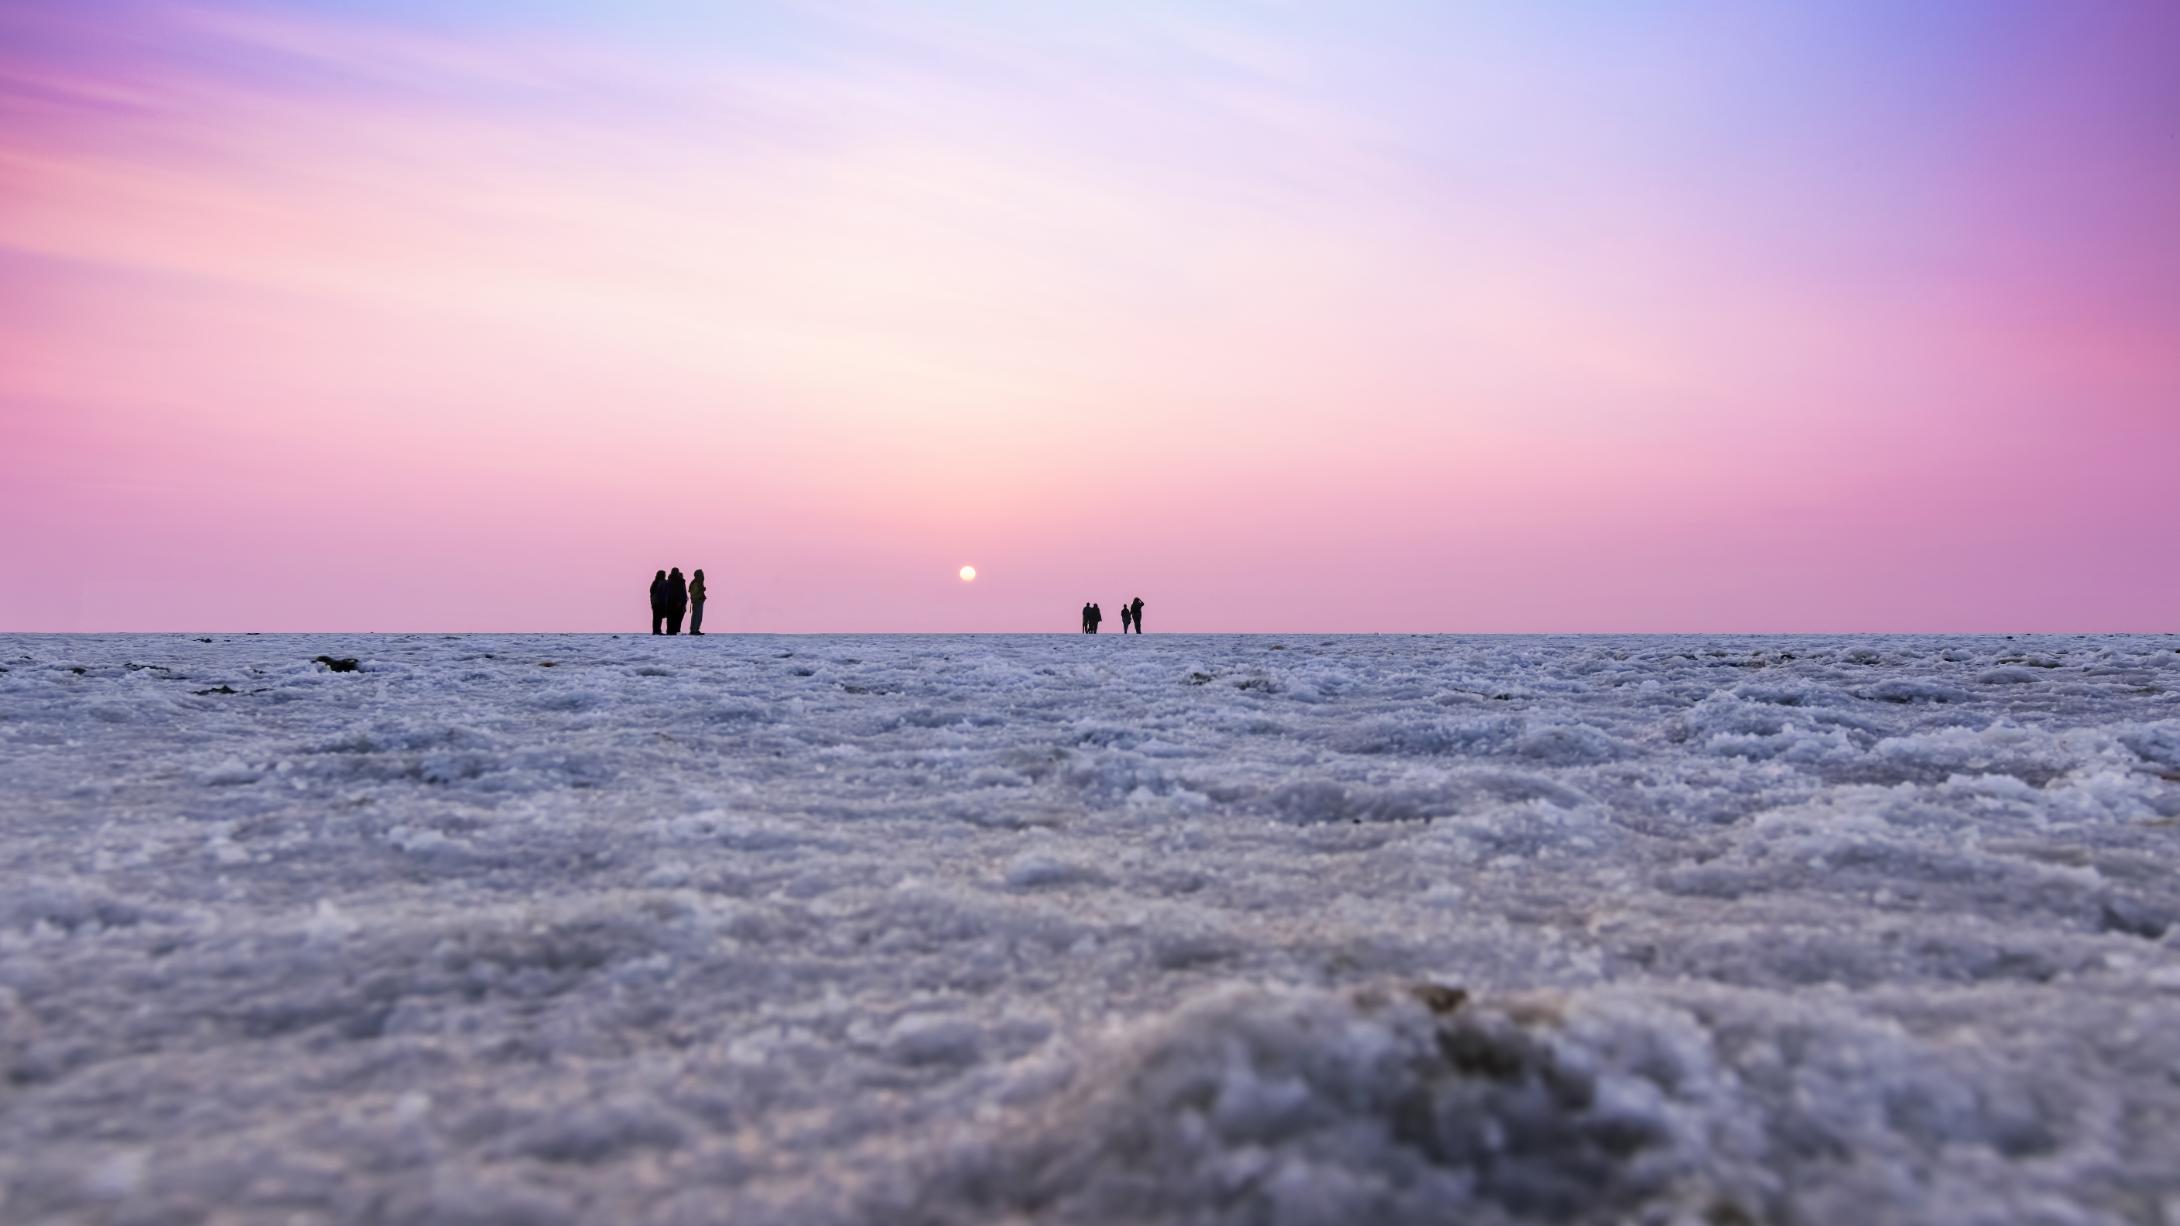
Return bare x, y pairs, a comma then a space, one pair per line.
2132, 918
1437, 997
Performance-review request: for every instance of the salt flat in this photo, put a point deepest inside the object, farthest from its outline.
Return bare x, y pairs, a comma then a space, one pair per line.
1264, 929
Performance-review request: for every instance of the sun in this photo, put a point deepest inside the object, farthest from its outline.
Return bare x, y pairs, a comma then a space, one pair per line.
968, 574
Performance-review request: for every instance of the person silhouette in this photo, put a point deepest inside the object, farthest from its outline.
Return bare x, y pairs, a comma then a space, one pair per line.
1136, 609
1126, 616
658, 602
1096, 615
1086, 617
677, 600
696, 601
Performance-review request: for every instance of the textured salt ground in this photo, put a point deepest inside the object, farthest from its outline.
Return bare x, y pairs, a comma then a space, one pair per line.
1163, 929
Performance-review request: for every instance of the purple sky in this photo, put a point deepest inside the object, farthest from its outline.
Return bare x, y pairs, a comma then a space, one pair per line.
1375, 317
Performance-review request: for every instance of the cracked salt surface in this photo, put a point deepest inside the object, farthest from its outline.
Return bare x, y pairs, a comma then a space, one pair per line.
1089, 930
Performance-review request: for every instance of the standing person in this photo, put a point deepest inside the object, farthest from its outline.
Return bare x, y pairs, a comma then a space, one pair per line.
677, 600
696, 601
658, 602
1096, 615
1086, 617
1137, 609
1125, 617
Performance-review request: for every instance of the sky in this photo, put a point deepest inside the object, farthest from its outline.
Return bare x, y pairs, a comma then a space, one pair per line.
1285, 316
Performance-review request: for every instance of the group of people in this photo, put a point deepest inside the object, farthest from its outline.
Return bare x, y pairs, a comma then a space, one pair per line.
672, 597
1131, 616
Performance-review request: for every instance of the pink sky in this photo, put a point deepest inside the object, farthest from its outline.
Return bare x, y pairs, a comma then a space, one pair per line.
363, 317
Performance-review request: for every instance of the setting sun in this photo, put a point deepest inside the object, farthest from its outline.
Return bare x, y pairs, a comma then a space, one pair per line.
968, 574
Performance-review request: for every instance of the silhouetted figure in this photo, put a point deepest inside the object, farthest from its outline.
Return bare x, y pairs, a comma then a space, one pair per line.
1137, 609
696, 601
1127, 616
677, 600
658, 603
1086, 617
1096, 615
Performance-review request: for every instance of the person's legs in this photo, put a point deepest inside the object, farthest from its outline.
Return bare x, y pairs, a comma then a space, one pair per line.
673, 622
658, 622
696, 617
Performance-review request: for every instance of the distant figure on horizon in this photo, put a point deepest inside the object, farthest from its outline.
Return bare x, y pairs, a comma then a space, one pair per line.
1096, 615
1086, 617
658, 602
696, 601
1127, 617
677, 600
1136, 609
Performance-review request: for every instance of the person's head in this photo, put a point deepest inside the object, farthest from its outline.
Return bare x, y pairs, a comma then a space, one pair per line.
698, 573
660, 575
676, 574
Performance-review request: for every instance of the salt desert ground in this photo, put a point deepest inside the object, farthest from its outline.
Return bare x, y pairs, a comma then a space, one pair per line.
1172, 929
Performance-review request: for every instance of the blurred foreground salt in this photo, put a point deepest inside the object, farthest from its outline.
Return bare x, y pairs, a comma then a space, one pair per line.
1067, 929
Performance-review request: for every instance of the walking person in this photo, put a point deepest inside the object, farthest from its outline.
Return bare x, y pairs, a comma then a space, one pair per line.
1126, 617
1096, 615
1137, 610
658, 602
696, 601
1086, 617
677, 600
